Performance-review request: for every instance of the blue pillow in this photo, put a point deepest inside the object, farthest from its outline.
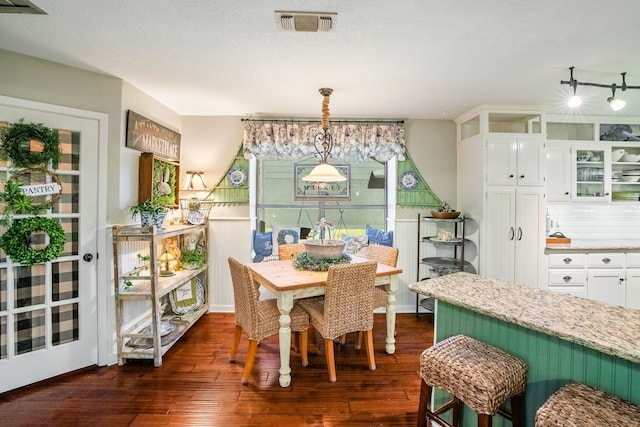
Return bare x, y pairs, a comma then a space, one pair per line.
262, 245
379, 237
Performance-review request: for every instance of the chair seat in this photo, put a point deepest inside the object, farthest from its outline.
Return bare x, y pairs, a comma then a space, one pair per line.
580, 405
480, 375
269, 319
380, 297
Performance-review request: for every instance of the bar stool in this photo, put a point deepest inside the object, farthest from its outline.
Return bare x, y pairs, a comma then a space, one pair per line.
580, 405
479, 375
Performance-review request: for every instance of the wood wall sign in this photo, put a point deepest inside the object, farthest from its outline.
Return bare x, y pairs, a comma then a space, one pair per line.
150, 137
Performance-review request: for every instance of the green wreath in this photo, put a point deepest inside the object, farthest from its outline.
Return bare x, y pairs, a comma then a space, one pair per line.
18, 203
14, 137
16, 241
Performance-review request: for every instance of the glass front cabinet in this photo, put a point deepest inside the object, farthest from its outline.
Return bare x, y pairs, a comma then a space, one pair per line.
591, 173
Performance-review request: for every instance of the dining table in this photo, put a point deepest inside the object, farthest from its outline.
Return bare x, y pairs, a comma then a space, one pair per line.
288, 283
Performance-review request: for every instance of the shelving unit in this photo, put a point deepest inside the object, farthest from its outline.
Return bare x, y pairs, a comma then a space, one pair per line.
435, 266
147, 300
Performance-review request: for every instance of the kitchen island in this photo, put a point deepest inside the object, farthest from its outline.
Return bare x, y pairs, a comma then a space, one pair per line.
562, 338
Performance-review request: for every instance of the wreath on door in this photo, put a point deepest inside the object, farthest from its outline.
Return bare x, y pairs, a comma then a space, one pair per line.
16, 242
15, 145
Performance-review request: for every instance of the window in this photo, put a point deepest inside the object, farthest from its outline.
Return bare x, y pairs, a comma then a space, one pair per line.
276, 204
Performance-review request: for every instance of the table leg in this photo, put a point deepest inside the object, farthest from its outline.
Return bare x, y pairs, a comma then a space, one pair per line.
285, 304
392, 287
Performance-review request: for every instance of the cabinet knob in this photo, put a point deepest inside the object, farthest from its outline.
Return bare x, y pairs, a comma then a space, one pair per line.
519, 233
567, 260
521, 176
566, 193
621, 279
606, 260
512, 233
567, 278
511, 176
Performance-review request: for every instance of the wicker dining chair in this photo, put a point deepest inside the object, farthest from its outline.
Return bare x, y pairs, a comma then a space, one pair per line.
385, 255
347, 306
290, 251
259, 319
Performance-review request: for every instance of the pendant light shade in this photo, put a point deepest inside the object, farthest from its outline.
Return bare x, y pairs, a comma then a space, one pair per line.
323, 142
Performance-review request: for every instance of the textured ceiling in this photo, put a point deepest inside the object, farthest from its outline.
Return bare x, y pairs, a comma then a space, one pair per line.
400, 59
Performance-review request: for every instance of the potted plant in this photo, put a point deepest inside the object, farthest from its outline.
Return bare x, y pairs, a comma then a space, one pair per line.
151, 213
192, 259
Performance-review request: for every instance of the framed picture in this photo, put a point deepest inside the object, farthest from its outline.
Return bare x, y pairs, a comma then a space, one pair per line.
316, 191
619, 132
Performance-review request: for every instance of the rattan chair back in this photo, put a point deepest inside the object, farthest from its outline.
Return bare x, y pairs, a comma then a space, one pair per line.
383, 254
290, 251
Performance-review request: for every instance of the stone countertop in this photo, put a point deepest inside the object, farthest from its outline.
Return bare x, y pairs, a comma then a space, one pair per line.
587, 245
607, 328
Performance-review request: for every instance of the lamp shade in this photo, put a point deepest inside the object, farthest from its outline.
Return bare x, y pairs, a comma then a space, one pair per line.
194, 181
616, 104
324, 172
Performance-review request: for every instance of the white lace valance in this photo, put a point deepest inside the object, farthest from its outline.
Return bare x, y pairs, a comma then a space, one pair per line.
351, 140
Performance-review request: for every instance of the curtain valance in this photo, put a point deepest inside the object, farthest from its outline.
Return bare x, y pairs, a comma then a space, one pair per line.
351, 139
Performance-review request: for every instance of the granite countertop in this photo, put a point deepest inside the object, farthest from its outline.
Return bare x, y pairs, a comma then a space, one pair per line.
607, 328
586, 245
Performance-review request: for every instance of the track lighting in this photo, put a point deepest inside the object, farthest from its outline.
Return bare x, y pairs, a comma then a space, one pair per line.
615, 103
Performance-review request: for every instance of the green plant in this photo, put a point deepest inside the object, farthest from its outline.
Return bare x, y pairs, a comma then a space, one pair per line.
193, 257
14, 142
148, 206
16, 242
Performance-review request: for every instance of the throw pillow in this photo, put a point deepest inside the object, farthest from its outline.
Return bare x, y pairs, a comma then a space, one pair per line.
379, 237
355, 245
284, 235
262, 245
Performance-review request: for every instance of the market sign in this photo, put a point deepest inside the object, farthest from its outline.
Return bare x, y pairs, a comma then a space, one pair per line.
150, 137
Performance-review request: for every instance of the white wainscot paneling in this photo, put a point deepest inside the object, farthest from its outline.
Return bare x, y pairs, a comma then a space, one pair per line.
230, 237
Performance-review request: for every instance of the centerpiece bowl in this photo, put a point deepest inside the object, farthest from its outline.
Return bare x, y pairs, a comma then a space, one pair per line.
330, 248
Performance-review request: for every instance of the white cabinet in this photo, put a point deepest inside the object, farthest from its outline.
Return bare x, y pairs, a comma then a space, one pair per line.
515, 160
558, 172
609, 277
567, 274
514, 229
625, 172
591, 173
156, 302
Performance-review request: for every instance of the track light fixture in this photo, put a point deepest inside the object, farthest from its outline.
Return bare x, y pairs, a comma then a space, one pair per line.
616, 104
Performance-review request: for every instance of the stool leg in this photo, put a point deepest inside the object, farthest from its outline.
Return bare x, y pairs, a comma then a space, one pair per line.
517, 410
484, 420
425, 401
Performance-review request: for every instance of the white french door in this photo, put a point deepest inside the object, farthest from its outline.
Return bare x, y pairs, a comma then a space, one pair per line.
48, 311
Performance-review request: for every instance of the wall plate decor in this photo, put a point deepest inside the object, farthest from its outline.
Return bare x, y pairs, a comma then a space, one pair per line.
409, 181
150, 137
330, 191
237, 176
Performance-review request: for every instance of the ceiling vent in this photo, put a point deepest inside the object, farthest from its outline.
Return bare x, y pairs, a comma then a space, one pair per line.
20, 6
305, 21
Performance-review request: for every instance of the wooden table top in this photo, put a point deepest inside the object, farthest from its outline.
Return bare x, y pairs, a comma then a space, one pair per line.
283, 276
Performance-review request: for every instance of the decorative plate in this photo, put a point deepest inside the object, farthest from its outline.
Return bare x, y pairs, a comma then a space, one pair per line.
166, 327
409, 180
184, 307
237, 177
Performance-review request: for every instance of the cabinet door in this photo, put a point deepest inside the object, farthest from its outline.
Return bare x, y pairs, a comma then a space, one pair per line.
591, 173
606, 286
529, 234
632, 297
530, 161
499, 243
558, 172
501, 160
625, 177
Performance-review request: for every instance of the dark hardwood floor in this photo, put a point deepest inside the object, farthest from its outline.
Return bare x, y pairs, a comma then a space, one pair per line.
196, 385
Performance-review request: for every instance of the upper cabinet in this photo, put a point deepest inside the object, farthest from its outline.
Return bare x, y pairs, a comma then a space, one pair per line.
515, 160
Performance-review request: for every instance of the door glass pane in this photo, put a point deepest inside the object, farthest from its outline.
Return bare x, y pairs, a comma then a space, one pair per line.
64, 324
64, 280
70, 227
70, 148
30, 285
70, 196
3, 337
3, 289
29, 331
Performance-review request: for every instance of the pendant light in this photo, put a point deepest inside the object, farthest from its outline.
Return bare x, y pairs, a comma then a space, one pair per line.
323, 143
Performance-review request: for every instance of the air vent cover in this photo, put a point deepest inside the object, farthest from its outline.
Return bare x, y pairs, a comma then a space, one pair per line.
305, 21
20, 6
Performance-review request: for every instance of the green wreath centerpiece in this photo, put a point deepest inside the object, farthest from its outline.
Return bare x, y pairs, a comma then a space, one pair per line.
15, 242
16, 136
311, 263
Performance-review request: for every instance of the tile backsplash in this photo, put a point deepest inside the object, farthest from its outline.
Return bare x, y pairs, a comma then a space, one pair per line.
596, 221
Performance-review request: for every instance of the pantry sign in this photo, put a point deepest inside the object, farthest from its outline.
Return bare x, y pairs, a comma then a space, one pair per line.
150, 137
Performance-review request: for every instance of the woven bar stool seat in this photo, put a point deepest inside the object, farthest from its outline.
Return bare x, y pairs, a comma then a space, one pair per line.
479, 375
580, 405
